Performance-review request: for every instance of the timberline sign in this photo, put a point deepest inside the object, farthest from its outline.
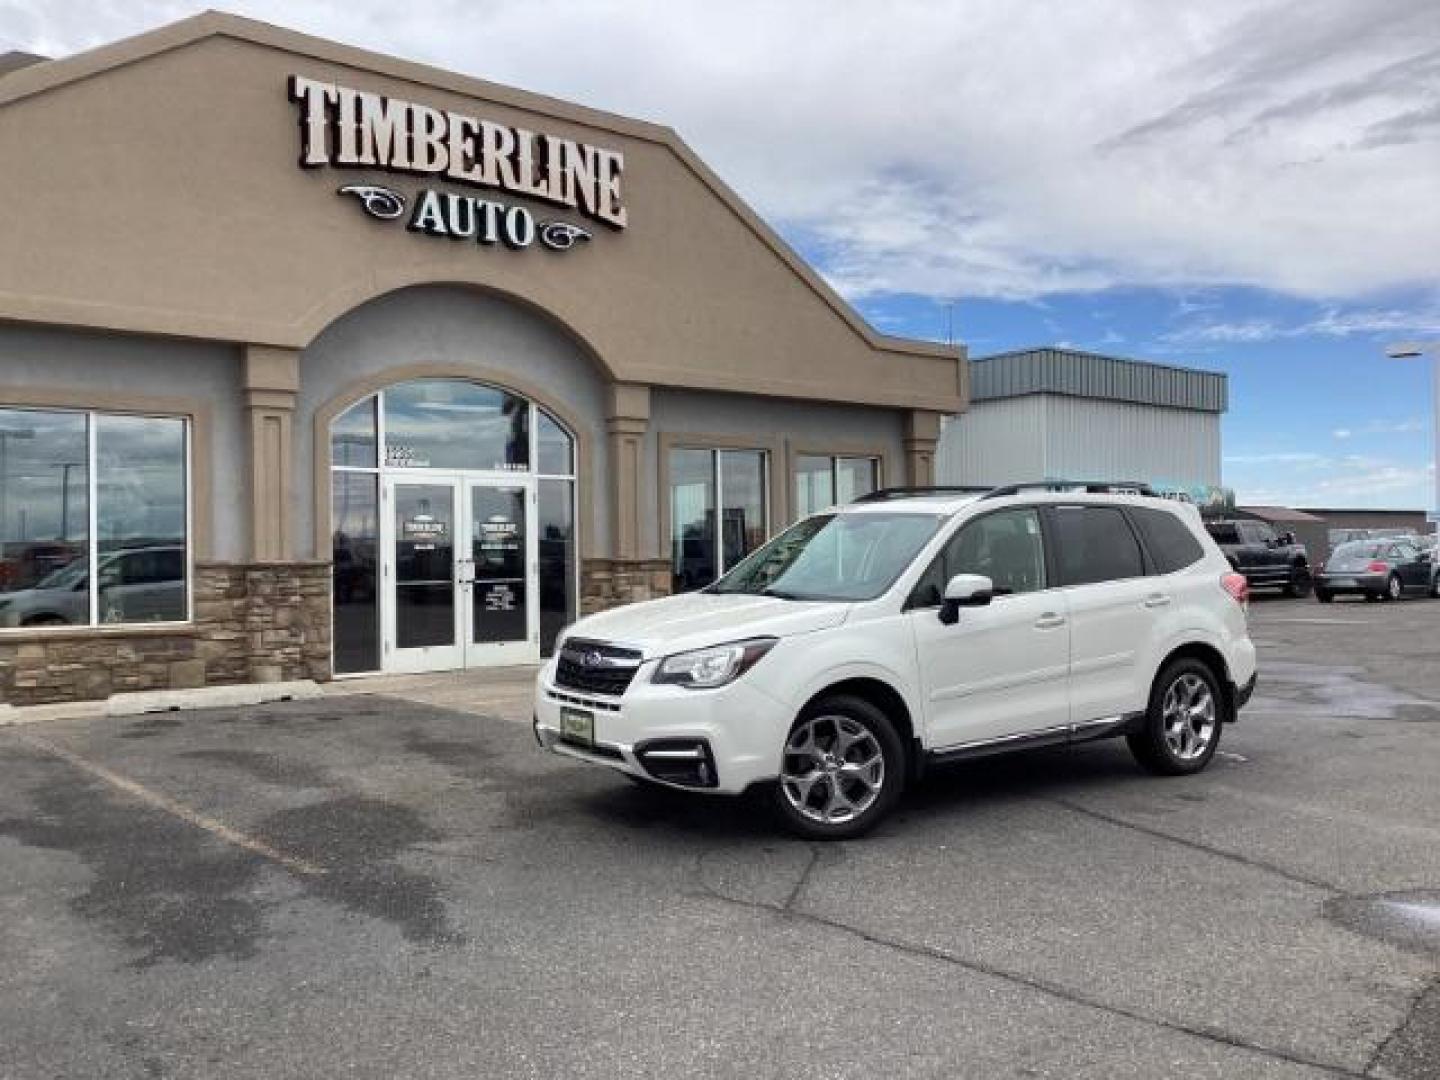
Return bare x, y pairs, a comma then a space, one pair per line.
345, 128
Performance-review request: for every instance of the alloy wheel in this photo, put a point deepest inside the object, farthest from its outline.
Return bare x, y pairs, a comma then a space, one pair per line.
1392, 588
1188, 715
834, 769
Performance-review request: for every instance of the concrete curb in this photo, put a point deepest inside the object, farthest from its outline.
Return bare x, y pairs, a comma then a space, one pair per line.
209, 697
138, 703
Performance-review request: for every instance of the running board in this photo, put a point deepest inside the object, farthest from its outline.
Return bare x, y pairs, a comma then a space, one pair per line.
1030, 740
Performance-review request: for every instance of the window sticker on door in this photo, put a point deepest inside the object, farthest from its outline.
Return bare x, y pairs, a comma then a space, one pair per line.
499, 598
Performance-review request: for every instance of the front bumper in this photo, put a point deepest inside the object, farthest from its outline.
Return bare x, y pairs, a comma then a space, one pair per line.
656, 732
1350, 583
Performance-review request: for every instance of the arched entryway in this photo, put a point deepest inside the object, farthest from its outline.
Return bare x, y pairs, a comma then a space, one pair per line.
453, 526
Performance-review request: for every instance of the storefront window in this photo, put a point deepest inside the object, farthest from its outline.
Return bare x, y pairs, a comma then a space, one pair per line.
556, 533
822, 481
814, 484
554, 447
355, 541
448, 424
352, 437
739, 477
139, 491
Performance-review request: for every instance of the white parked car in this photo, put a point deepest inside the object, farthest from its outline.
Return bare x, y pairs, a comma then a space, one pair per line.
914, 627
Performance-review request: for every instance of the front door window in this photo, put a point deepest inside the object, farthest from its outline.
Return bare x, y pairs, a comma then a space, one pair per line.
424, 566
498, 538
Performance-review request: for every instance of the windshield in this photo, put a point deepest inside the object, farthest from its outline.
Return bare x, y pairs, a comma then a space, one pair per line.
72, 573
833, 557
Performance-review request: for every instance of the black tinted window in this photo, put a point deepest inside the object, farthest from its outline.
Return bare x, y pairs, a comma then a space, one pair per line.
1005, 546
1171, 544
1095, 543
1224, 533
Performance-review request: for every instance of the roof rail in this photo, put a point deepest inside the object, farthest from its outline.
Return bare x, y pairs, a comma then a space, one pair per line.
887, 494
1089, 487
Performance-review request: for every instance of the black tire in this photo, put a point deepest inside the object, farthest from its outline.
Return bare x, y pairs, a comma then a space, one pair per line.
1435, 587
1325, 596
1300, 582
1151, 746
827, 714
45, 620
1394, 590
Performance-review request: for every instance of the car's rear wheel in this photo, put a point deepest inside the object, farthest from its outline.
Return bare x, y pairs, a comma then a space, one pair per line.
1300, 582
841, 770
1182, 722
1393, 589
1325, 596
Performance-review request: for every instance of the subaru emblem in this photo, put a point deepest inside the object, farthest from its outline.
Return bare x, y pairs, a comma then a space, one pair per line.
592, 659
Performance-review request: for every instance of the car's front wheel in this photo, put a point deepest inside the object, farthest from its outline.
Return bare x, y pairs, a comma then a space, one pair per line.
841, 771
1182, 723
1300, 582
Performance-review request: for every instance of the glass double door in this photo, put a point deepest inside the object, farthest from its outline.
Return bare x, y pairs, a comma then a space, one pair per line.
459, 573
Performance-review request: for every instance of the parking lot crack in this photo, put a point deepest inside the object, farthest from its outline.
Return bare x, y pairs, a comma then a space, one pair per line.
1196, 845
789, 910
1413, 1048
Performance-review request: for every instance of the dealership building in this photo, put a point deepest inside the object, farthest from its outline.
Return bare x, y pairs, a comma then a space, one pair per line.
315, 362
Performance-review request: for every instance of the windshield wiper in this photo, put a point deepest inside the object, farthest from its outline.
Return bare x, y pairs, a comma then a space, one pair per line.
785, 594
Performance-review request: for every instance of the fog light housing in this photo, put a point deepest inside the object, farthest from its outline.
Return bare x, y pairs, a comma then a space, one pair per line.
685, 762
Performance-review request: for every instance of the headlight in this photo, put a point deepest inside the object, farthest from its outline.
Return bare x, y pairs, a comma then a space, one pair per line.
703, 669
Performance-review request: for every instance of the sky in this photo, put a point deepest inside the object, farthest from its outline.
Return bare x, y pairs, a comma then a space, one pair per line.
1249, 187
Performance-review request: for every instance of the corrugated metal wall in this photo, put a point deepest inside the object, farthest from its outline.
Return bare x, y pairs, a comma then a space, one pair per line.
1051, 435
1081, 374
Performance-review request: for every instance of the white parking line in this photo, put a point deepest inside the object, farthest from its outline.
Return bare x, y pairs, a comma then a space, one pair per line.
175, 809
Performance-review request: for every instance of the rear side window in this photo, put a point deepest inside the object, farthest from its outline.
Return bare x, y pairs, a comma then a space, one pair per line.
1224, 533
1172, 546
1095, 543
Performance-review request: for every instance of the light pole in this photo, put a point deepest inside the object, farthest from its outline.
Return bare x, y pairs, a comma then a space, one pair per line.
1410, 350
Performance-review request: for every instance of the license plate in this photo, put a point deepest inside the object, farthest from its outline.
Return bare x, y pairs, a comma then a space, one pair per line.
577, 726
1344, 583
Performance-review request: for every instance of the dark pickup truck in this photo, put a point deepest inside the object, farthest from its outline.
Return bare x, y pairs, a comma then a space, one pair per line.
1267, 558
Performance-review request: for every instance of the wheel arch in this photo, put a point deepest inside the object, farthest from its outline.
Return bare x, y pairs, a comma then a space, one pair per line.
1212, 658
888, 700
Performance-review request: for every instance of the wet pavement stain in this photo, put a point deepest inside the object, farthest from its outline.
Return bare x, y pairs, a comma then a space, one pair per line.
1337, 691
163, 887
270, 768
359, 842
1408, 920
151, 726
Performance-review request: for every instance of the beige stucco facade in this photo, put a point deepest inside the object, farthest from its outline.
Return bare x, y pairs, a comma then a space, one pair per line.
155, 197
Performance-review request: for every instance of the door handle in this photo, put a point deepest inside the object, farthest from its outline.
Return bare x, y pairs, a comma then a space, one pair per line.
1156, 600
1049, 621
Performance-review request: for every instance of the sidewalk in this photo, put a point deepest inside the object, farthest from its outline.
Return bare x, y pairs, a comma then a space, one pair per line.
504, 692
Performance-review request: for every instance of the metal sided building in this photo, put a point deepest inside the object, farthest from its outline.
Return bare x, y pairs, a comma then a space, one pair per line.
1063, 413
316, 362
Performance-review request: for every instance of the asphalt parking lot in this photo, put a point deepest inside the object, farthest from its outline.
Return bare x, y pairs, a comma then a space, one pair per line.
374, 887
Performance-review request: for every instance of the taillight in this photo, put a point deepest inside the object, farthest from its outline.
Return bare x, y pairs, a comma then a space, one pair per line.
1378, 567
1237, 587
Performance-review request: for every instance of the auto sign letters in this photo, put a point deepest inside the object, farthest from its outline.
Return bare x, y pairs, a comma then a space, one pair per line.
354, 129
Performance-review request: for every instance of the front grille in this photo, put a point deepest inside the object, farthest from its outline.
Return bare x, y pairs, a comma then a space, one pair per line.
595, 667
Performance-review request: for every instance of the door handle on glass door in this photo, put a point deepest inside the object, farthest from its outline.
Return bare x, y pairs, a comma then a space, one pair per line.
1156, 600
1049, 621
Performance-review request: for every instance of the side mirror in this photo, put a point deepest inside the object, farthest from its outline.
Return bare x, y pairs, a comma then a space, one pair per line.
965, 590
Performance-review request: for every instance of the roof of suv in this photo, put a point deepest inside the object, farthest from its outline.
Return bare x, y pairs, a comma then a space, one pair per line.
951, 501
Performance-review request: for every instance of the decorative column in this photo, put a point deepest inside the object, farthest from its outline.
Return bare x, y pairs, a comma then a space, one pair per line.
922, 432
272, 380
626, 421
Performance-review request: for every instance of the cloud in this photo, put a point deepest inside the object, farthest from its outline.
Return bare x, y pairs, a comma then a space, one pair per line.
1333, 323
1342, 433
978, 147
1311, 479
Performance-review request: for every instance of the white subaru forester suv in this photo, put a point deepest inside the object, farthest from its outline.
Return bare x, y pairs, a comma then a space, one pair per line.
916, 626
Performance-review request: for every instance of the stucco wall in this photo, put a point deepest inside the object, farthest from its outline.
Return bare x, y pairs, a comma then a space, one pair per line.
462, 331
782, 427
95, 369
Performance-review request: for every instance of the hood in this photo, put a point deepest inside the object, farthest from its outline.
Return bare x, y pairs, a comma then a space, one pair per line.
696, 620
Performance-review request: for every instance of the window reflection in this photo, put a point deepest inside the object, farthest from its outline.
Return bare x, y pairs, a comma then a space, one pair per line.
557, 559
814, 484
692, 513
140, 519
355, 542
742, 499
554, 446
447, 424
44, 518
352, 436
